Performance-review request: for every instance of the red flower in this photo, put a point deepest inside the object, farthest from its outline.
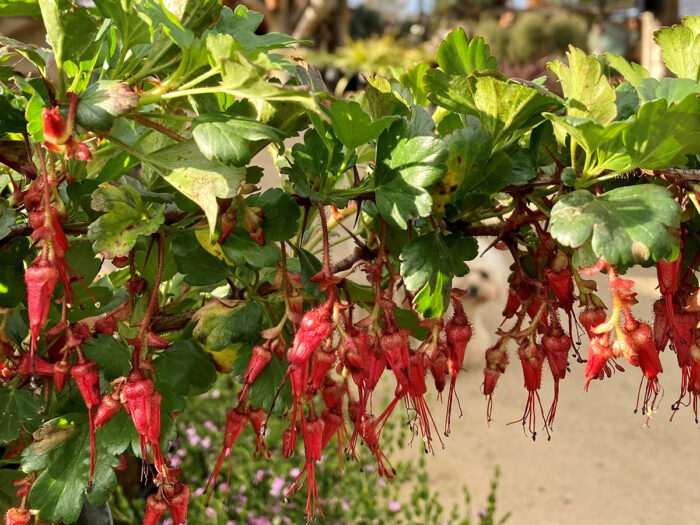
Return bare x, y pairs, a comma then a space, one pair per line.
56, 130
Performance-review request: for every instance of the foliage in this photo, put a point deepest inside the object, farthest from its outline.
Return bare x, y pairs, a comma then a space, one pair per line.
133, 140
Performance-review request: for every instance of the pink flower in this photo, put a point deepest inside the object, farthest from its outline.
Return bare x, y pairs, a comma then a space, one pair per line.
277, 486
210, 426
394, 506
210, 513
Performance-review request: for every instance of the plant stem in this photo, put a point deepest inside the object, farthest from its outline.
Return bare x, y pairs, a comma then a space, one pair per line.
159, 127
152, 305
201, 78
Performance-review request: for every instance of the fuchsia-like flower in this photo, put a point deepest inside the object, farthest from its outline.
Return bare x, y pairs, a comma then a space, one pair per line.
58, 132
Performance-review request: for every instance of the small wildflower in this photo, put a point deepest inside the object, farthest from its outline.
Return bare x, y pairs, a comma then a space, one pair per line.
277, 486
198, 492
215, 394
210, 426
259, 475
394, 506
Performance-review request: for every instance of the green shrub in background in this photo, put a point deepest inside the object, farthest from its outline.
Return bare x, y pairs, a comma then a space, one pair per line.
565, 29
532, 36
255, 493
528, 38
494, 35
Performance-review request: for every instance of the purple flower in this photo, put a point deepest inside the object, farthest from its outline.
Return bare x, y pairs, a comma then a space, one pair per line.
175, 462
381, 482
481, 513
181, 452
211, 427
260, 520
394, 506
206, 442
230, 522
276, 508
344, 504
211, 513
277, 486
259, 475
215, 394
294, 472
168, 521
198, 492
223, 487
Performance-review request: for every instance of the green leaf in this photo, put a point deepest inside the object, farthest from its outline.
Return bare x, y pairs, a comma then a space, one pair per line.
186, 368
243, 78
680, 50
399, 202
201, 180
469, 150
241, 249
431, 301
112, 356
429, 262
587, 133
262, 392
627, 101
281, 214
83, 261
310, 265
8, 217
125, 218
660, 137
18, 409
12, 287
219, 325
449, 91
458, 56
419, 161
69, 30
19, 8
59, 491
588, 92
8, 498
413, 81
243, 23
353, 126
157, 16
12, 109
199, 266
506, 108
132, 30
633, 73
672, 90
627, 225
102, 101
226, 138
